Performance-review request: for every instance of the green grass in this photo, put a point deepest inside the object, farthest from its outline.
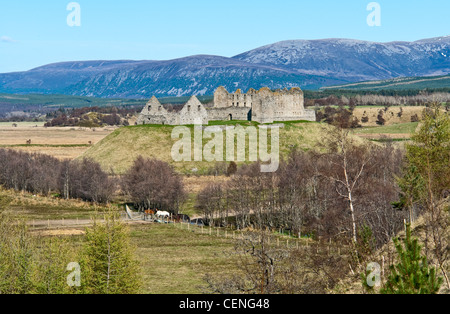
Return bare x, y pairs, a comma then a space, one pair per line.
188, 207
119, 149
403, 128
175, 260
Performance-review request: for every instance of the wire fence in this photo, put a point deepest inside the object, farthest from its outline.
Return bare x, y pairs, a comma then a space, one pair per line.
273, 239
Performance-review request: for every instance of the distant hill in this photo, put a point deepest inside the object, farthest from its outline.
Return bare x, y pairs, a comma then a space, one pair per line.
309, 64
405, 83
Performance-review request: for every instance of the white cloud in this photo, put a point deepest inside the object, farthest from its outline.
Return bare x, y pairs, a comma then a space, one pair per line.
7, 39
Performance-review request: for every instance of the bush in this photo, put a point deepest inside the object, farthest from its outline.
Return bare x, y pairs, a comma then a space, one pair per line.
415, 118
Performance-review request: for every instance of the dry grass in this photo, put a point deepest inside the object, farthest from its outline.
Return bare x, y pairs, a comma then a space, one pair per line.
391, 116
59, 152
59, 233
62, 143
36, 207
387, 256
196, 184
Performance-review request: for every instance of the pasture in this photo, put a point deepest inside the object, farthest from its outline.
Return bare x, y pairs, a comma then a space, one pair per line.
401, 132
176, 260
173, 259
393, 115
62, 143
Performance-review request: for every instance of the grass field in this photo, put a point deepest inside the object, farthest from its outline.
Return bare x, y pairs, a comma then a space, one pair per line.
36, 207
21, 124
172, 258
395, 132
403, 128
175, 260
391, 115
62, 143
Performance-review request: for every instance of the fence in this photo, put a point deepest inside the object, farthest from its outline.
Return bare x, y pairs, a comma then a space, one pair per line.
273, 239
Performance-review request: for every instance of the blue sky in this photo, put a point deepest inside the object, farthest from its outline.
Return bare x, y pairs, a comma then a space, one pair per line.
34, 33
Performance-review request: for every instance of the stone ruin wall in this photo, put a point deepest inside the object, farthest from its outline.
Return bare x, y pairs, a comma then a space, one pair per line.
193, 112
263, 106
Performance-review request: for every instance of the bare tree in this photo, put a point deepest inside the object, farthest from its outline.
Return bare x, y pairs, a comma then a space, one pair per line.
151, 183
349, 163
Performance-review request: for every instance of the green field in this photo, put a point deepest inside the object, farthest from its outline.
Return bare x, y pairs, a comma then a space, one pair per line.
175, 260
403, 128
403, 83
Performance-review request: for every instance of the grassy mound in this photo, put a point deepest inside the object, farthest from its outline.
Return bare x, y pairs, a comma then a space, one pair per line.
119, 149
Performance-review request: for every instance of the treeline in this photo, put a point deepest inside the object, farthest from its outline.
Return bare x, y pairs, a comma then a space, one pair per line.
338, 194
424, 99
91, 116
149, 183
21, 112
309, 94
43, 174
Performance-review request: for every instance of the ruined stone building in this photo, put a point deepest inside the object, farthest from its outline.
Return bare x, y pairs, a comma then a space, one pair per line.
263, 106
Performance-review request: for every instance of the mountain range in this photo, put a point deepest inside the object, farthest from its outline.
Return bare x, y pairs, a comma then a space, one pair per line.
309, 64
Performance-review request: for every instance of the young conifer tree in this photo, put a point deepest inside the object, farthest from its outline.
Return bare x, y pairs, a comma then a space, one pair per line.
109, 265
411, 275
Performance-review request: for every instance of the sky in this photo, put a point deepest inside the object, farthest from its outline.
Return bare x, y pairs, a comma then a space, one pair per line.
34, 33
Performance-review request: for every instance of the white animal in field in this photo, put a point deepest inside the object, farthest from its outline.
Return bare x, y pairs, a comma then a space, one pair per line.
162, 214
